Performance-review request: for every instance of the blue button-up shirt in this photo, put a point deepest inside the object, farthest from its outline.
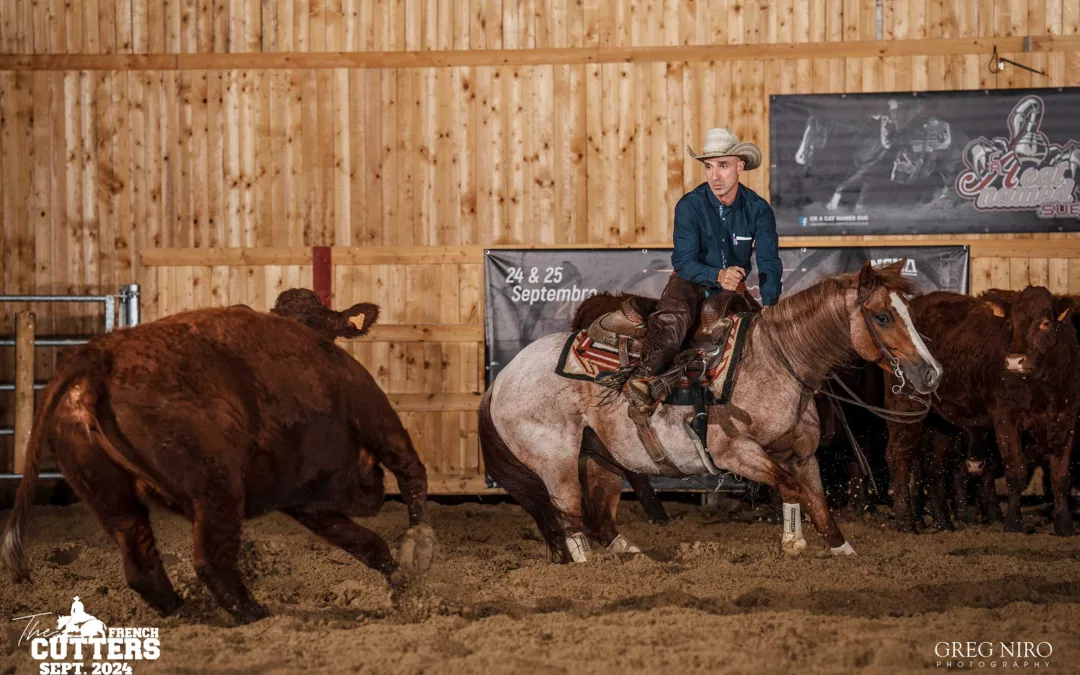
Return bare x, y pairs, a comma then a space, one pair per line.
710, 237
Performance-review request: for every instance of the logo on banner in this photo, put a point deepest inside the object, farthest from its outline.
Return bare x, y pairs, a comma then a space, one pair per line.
909, 265
1025, 171
79, 636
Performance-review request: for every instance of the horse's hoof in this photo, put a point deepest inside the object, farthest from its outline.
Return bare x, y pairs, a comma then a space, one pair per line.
845, 549
418, 549
622, 545
793, 546
579, 548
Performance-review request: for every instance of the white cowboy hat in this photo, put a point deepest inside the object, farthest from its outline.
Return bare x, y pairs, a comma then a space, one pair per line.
723, 143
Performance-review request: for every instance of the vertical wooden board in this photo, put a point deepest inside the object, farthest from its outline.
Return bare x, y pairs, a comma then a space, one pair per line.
431, 106
266, 149
1059, 276
358, 221
106, 184
248, 142
317, 25
595, 160
673, 153
182, 282
457, 223
310, 130
1019, 272
1074, 276
341, 160
388, 154
1039, 271
181, 226
542, 186
514, 167
214, 230
197, 158
634, 103
294, 183
232, 160
374, 161
324, 193
980, 275
278, 228
401, 231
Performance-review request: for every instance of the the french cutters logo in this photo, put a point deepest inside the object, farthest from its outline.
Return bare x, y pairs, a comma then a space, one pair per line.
79, 637
1024, 172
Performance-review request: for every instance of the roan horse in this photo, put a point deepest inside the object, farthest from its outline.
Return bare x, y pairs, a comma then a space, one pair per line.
532, 420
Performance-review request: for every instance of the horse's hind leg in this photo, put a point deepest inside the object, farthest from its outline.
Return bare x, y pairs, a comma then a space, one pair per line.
602, 483
113, 498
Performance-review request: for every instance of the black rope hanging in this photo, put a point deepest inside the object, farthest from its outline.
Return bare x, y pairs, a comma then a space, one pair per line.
997, 64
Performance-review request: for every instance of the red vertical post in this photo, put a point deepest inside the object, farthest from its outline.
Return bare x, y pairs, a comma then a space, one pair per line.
322, 273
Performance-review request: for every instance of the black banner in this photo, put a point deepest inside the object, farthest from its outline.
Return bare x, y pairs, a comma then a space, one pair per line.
981, 161
531, 293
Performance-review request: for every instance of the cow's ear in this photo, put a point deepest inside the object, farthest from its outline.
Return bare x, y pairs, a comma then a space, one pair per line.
998, 307
1063, 307
358, 319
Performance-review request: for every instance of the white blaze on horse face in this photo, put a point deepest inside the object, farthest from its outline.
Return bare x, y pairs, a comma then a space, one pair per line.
916, 339
800, 156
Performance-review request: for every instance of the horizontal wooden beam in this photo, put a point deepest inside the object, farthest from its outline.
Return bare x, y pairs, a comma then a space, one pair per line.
225, 257
447, 485
435, 402
462, 332
537, 57
990, 246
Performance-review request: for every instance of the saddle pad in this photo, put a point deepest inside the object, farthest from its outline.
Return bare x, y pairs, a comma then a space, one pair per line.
583, 358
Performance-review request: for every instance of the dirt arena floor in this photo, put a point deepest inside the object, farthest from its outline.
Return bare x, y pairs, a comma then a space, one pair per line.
713, 595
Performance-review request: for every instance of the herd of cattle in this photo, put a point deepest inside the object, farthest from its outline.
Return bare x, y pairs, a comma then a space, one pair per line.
299, 426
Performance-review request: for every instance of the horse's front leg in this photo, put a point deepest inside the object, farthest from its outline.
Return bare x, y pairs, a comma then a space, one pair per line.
804, 468
746, 457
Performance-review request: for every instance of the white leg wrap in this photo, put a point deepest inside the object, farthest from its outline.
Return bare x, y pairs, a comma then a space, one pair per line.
843, 550
622, 545
792, 541
579, 547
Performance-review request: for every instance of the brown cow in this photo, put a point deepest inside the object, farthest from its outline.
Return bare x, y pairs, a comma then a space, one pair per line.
1009, 367
222, 415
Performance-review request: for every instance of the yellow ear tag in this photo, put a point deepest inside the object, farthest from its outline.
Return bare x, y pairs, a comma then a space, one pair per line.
357, 321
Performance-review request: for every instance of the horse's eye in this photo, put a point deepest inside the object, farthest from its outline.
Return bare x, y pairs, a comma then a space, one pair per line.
882, 319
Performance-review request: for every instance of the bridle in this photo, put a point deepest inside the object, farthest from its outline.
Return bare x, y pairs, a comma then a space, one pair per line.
906, 417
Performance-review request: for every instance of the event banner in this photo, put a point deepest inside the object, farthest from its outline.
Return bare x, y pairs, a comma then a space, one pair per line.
530, 293
943, 162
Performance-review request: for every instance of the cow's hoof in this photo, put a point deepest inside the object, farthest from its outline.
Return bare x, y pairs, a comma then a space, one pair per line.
623, 545
1064, 527
418, 549
793, 546
167, 606
844, 549
252, 613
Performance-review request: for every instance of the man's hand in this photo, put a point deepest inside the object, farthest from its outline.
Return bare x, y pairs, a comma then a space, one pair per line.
730, 277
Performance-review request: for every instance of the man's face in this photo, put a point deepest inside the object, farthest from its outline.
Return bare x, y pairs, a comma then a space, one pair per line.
723, 173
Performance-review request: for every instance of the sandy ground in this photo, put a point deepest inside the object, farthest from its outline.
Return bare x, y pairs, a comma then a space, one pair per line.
714, 594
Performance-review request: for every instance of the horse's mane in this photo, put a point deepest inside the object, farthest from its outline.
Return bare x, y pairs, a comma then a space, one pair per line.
810, 330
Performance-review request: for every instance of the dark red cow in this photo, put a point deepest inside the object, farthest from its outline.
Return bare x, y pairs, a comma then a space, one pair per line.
1010, 367
222, 415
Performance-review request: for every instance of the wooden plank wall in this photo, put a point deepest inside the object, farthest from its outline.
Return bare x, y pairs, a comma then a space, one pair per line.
395, 123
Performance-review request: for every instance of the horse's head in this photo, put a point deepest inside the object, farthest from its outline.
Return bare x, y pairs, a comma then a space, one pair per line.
882, 331
1042, 325
814, 137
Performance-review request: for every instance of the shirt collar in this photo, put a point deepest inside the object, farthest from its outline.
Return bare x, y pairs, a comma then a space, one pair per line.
714, 202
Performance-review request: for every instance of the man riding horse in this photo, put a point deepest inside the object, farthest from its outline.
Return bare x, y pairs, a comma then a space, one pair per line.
717, 226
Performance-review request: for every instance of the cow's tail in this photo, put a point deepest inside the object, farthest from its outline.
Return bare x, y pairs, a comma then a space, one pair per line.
521, 483
12, 555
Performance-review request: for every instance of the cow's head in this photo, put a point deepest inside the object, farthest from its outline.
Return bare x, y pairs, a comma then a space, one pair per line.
303, 306
1041, 325
886, 331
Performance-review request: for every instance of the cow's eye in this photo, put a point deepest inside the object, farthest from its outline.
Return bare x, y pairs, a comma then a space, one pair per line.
1045, 325
882, 319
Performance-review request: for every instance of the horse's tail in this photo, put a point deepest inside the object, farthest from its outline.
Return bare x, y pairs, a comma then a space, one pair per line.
521, 483
12, 555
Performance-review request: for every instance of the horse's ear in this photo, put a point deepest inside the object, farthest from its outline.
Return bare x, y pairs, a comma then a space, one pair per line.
867, 281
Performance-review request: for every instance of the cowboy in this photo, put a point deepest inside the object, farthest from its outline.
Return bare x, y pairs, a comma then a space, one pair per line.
718, 225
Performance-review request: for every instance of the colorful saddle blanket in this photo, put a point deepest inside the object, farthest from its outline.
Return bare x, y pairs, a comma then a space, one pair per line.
584, 358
